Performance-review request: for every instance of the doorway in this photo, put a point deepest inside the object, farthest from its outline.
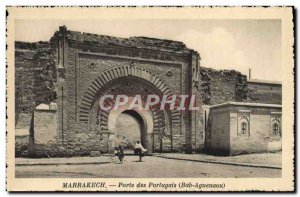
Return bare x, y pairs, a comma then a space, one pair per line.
130, 128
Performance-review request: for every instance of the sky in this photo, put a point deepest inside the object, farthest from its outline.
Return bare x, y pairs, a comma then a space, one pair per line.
222, 44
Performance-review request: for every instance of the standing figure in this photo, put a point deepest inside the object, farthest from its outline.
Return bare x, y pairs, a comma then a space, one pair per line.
139, 150
120, 154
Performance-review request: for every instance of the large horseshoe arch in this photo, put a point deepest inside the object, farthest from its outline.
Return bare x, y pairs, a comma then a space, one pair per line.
154, 120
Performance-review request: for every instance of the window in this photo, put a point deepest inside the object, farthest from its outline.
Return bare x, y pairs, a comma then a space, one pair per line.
244, 128
244, 123
275, 129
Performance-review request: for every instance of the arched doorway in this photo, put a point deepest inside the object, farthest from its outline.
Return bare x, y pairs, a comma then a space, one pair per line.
129, 81
130, 127
143, 119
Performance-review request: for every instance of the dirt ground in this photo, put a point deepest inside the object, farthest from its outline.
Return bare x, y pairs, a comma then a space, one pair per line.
151, 167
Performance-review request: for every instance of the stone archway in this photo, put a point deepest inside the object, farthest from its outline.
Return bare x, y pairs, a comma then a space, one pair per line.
141, 127
119, 76
145, 121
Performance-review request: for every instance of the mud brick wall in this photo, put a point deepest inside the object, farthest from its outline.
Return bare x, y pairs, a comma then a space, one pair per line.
22, 134
21, 146
44, 126
48, 142
43, 133
35, 76
220, 86
264, 93
24, 77
45, 77
178, 143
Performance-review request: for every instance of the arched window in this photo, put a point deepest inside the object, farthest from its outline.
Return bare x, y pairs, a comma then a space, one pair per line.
244, 128
275, 129
244, 123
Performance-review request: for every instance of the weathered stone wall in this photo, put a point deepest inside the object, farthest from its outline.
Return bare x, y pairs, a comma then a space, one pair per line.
221, 86
264, 92
35, 76
46, 140
24, 78
22, 134
43, 133
44, 126
21, 145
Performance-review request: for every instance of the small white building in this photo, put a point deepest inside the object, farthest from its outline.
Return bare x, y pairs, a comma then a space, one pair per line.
237, 128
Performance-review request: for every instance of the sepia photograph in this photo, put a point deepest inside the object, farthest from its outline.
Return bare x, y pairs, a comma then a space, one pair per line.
150, 99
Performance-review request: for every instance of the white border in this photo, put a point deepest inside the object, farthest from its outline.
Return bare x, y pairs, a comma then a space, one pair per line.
3, 4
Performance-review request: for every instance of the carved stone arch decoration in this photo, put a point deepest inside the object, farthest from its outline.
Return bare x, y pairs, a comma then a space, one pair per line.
275, 126
244, 123
124, 71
